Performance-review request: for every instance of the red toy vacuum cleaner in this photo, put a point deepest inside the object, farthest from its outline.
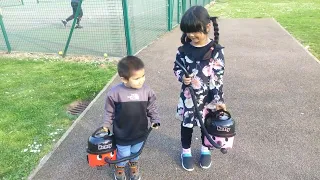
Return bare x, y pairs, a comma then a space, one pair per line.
101, 145
102, 149
219, 127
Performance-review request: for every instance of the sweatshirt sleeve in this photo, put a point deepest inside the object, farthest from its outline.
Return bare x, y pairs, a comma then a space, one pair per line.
216, 78
152, 109
176, 69
109, 111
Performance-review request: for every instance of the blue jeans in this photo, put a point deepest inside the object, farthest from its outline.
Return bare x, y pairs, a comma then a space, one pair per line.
125, 151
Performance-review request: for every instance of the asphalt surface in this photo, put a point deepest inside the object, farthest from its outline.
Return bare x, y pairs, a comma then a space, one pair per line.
272, 89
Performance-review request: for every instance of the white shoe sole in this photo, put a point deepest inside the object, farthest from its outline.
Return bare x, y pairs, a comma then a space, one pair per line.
183, 165
138, 179
206, 167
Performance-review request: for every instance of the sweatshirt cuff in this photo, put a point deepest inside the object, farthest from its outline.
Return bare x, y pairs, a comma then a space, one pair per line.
155, 121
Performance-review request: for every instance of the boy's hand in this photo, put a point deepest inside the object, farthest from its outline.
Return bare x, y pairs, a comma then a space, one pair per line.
187, 81
155, 125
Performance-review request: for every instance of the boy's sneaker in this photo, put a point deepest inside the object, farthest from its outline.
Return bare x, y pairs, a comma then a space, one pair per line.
187, 161
119, 173
64, 22
78, 26
134, 171
205, 160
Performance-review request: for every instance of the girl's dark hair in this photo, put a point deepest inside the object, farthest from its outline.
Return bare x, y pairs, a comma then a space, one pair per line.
195, 19
129, 64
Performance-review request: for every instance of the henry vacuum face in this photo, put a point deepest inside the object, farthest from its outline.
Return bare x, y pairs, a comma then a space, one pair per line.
221, 127
101, 145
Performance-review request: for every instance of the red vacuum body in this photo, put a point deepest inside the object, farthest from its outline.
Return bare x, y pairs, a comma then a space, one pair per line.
101, 146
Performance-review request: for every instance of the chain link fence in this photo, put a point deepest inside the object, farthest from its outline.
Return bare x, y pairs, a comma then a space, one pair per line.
113, 27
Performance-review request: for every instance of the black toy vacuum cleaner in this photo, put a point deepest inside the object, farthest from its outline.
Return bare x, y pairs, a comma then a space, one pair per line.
102, 149
218, 128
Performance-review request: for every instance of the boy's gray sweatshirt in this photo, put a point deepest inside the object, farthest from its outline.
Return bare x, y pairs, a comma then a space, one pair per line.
128, 110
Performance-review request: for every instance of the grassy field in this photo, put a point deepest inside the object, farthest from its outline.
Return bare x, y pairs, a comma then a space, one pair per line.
34, 97
300, 17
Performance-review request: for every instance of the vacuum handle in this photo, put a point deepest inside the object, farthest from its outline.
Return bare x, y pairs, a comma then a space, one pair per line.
183, 69
94, 134
131, 156
218, 112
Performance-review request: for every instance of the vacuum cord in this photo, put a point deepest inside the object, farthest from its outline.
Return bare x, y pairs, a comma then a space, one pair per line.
131, 156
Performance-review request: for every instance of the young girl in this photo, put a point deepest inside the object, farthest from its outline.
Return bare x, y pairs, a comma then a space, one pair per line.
204, 60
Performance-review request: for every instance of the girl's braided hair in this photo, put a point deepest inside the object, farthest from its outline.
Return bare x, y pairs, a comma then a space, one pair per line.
195, 19
215, 29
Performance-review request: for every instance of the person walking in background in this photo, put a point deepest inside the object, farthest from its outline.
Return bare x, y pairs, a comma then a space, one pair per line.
74, 5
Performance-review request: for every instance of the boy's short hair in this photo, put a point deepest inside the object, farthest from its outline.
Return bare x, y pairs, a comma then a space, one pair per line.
129, 64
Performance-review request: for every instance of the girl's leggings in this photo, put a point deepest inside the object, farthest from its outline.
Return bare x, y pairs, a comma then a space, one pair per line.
186, 137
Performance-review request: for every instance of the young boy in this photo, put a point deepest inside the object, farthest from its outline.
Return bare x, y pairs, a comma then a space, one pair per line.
74, 5
128, 107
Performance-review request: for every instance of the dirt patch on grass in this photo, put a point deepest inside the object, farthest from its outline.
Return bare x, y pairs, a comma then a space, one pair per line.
56, 57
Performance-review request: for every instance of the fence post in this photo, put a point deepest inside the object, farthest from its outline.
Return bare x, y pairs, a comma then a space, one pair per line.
170, 9
22, 2
72, 28
127, 26
178, 10
184, 3
4, 33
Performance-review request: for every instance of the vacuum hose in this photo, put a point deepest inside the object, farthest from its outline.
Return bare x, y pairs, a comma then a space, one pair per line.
131, 156
196, 108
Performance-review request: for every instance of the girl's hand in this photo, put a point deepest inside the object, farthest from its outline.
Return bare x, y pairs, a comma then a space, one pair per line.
187, 81
221, 107
104, 129
155, 125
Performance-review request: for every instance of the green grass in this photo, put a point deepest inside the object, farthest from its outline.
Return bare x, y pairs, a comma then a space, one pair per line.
34, 96
300, 17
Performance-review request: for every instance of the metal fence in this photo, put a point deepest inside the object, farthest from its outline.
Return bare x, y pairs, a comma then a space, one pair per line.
115, 27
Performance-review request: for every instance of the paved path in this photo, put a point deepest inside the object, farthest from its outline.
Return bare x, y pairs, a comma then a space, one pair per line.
272, 88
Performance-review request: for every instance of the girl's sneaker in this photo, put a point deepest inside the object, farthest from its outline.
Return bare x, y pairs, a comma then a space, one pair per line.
134, 171
205, 158
119, 173
187, 161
